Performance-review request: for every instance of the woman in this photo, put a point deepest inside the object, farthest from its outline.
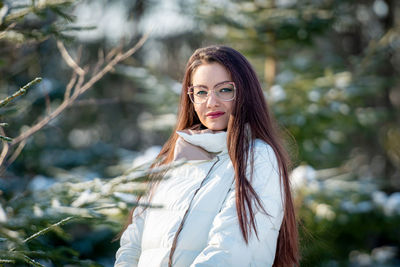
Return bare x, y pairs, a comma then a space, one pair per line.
230, 204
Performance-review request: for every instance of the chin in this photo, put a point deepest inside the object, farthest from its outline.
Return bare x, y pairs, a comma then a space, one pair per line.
217, 127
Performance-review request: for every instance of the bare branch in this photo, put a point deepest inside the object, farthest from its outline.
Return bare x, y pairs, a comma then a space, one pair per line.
68, 59
80, 88
70, 85
16, 153
113, 52
100, 62
79, 54
41, 123
72, 81
112, 63
5, 149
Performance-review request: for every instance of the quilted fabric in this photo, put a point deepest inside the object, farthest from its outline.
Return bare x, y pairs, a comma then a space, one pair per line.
204, 190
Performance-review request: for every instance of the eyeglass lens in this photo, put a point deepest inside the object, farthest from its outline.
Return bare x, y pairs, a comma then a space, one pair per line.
224, 92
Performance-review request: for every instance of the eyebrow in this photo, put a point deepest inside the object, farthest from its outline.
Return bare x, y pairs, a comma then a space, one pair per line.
201, 85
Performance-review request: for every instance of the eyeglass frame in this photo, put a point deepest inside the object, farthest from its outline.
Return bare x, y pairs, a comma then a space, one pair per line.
213, 90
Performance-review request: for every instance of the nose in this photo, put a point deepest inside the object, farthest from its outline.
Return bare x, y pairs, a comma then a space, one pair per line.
212, 99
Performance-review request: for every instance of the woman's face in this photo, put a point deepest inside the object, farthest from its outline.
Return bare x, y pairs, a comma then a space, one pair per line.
213, 113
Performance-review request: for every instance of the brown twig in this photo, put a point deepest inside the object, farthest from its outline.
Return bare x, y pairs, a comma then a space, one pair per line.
113, 52
68, 59
5, 149
80, 87
4, 102
119, 57
16, 153
100, 62
70, 85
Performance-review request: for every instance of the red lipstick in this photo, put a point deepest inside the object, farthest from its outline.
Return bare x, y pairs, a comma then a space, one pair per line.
215, 114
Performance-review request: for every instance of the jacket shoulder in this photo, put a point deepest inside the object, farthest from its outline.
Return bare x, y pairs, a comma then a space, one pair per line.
265, 165
264, 153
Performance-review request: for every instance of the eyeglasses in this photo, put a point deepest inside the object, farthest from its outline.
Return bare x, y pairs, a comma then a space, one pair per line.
199, 94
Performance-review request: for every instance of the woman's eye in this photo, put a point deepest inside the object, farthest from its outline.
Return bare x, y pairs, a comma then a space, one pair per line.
225, 90
201, 93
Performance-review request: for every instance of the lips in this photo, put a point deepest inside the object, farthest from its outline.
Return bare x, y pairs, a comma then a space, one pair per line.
215, 114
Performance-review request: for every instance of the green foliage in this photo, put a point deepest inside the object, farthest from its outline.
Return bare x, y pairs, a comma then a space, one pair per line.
342, 218
125, 97
65, 220
328, 70
8, 99
20, 92
331, 74
15, 28
27, 22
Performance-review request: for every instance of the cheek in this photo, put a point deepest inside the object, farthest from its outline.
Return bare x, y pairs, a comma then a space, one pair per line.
198, 110
229, 107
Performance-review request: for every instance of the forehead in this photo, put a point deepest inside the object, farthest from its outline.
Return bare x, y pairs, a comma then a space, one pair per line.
210, 74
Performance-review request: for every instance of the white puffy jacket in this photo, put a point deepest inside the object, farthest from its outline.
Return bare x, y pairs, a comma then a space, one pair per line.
211, 234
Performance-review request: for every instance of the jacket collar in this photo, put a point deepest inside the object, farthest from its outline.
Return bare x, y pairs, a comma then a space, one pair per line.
195, 143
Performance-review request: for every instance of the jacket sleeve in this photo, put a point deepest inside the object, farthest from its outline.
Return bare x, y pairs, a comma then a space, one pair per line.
226, 245
129, 252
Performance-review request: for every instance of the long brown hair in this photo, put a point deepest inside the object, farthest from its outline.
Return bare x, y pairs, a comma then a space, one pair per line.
249, 120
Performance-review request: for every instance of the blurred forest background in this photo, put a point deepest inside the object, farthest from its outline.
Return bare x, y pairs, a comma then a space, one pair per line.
331, 74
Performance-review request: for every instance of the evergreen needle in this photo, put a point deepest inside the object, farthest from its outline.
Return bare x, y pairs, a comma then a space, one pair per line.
20, 92
6, 261
32, 262
5, 138
45, 230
